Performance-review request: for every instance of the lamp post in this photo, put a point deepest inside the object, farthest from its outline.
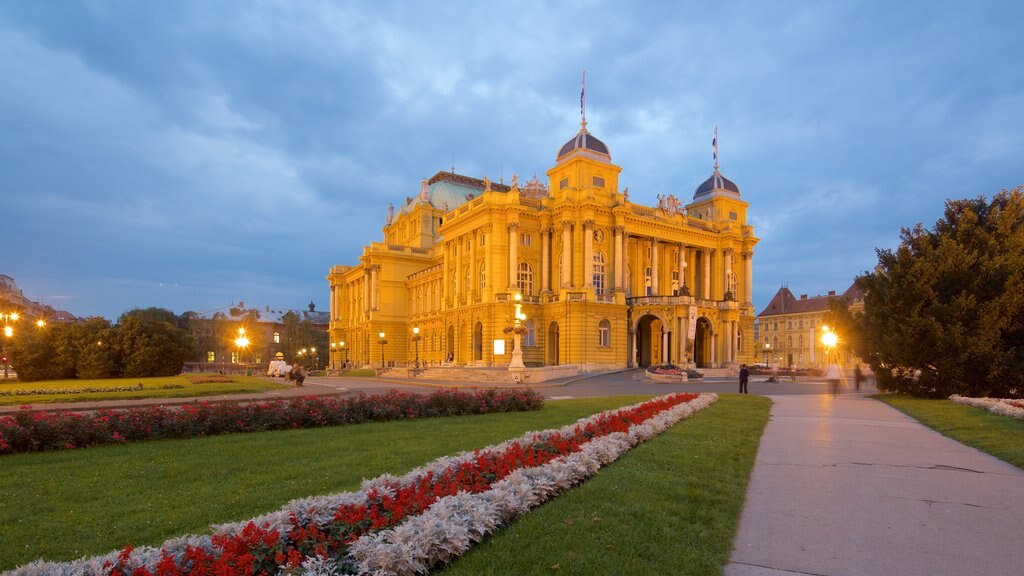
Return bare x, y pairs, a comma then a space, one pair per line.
316, 357
334, 351
382, 341
517, 329
346, 352
241, 342
767, 350
829, 339
8, 333
416, 340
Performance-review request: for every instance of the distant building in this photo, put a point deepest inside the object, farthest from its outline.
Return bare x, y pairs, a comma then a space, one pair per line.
790, 328
13, 300
267, 328
605, 283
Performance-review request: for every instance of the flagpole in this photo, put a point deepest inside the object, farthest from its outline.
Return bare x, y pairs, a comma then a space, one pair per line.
583, 99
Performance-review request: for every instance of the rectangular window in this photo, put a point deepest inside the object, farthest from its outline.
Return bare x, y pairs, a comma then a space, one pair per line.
211, 356
733, 216
564, 183
530, 338
603, 335
234, 357
598, 181
526, 239
483, 239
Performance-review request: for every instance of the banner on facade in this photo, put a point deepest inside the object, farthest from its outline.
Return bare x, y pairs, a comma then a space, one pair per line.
691, 329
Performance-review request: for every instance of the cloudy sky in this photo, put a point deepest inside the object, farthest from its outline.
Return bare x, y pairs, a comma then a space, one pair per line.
191, 154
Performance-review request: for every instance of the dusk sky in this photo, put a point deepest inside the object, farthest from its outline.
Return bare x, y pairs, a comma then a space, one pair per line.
193, 154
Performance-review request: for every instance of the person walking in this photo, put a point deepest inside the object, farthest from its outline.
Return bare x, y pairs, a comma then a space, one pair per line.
744, 378
858, 376
832, 375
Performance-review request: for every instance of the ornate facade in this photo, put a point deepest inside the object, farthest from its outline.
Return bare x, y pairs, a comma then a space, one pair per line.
605, 283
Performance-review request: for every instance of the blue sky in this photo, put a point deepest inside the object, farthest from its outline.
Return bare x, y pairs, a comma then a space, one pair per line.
192, 154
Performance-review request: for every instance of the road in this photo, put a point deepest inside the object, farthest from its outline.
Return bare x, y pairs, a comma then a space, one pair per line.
616, 384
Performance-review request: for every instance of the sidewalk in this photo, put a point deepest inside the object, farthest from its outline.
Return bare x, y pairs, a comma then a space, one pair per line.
848, 486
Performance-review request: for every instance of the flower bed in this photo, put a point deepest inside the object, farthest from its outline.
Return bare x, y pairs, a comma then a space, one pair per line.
86, 390
1001, 406
32, 431
407, 524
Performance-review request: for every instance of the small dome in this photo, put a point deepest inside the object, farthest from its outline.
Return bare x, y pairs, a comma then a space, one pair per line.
716, 182
584, 140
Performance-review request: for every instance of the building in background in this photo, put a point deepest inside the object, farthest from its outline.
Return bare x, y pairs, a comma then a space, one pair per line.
604, 283
13, 300
790, 328
299, 335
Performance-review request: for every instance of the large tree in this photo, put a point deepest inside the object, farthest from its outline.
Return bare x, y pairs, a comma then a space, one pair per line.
944, 312
150, 343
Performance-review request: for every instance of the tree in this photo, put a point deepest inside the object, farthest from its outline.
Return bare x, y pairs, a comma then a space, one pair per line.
31, 353
95, 355
150, 343
944, 313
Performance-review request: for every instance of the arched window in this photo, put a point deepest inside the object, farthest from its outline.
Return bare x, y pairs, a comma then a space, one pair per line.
525, 282
604, 334
789, 341
530, 338
483, 275
598, 274
775, 343
648, 287
277, 337
466, 283
739, 340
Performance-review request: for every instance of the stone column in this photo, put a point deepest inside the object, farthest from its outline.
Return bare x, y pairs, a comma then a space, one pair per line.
366, 290
727, 274
619, 260
588, 253
748, 281
374, 286
566, 260
655, 288
706, 257
446, 275
545, 260
474, 271
664, 345
513, 255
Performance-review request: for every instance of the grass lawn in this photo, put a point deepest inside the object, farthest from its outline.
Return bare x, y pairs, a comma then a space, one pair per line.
678, 496
670, 506
161, 387
999, 436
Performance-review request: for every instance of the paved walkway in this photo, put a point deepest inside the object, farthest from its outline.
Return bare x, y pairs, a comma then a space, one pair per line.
849, 486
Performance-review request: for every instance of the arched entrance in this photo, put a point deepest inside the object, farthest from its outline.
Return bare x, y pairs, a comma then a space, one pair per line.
648, 344
702, 343
478, 342
450, 350
552, 348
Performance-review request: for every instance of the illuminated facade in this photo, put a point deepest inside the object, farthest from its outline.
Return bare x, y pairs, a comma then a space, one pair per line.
790, 328
605, 283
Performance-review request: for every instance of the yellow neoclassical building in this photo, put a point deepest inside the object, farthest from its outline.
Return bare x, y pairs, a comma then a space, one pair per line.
603, 283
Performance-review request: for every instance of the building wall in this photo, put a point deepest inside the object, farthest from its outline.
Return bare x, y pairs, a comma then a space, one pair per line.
453, 258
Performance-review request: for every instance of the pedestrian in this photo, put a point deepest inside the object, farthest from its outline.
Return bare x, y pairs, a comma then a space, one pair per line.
832, 376
297, 375
744, 377
858, 376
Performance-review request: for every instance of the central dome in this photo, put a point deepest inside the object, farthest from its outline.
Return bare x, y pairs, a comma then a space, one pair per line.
716, 182
584, 140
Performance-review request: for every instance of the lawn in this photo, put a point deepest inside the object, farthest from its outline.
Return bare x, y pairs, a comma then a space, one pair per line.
999, 436
105, 389
62, 505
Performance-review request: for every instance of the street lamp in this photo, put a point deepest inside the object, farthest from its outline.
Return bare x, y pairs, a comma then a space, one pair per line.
382, 341
767, 350
8, 333
416, 339
517, 330
316, 358
334, 350
346, 352
829, 339
241, 342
